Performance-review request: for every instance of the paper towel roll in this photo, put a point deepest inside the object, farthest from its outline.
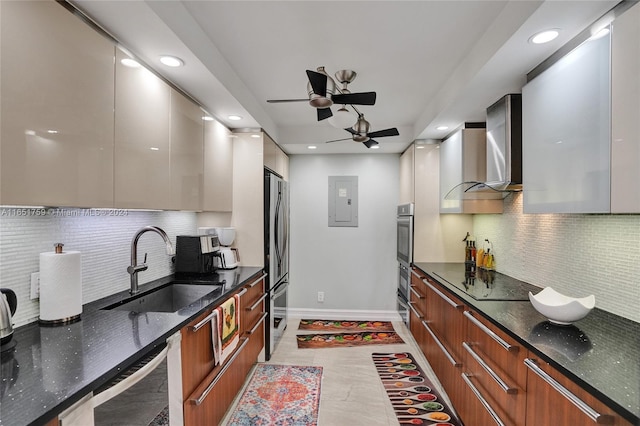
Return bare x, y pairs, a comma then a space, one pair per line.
60, 286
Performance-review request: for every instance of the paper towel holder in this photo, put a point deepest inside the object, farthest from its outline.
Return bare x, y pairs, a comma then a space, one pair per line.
61, 321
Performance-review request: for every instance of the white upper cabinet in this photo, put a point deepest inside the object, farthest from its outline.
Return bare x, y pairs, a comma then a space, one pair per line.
187, 146
463, 159
407, 175
625, 117
274, 158
581, 129
57, 108
218, 168
566, 133
142, 138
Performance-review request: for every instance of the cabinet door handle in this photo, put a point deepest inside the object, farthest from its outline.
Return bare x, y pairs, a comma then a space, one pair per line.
441, 294
255, 327
490, 333
413, 272
226, 366
580, 404
242, 292
441, 345
258, 302
413, 290
202, 323
505, 387
253, 284
484, 402
415, 311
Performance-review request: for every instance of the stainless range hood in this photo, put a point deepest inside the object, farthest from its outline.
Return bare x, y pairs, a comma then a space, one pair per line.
504, 154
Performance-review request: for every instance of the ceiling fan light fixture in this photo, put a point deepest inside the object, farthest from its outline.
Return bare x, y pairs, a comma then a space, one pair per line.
342, 118
321, 100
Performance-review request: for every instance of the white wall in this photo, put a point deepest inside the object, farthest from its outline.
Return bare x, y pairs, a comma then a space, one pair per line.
356, 268
103, 240
576, 254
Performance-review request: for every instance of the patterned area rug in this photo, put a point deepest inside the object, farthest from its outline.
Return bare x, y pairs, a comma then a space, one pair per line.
341, 340
344, 326
280, 395
412, 396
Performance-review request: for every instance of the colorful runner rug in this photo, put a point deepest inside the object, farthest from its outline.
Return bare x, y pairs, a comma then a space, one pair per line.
412, 396
280, 395
341, 340
344, 326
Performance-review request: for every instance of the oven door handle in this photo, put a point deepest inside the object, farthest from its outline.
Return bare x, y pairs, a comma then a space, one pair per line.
402, 302
282, 290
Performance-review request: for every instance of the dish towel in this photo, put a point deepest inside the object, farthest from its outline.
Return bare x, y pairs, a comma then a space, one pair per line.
229, 326
215, 337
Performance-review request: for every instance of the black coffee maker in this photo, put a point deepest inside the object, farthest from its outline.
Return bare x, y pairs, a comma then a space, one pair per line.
195, 254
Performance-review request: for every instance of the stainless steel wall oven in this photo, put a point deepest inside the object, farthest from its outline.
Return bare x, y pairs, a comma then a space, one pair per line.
405, 257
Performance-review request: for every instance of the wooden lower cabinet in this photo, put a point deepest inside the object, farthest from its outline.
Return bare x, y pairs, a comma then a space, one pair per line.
209, 390
490, 378
494, 375
553, 399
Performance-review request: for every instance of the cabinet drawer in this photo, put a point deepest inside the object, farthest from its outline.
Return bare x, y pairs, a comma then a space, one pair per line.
444, 316
196, 352
210, 400
252, 305
553, 399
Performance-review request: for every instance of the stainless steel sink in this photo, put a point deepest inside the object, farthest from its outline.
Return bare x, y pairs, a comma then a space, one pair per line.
170, 298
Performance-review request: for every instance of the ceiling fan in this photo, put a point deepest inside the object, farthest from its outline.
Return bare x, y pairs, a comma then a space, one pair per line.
322, 90
360, 133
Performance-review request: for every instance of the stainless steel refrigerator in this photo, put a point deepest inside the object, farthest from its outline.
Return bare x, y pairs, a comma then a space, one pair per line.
276, 251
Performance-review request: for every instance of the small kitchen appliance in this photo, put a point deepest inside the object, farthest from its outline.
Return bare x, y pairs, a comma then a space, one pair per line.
228, 258
8, 305
195, 254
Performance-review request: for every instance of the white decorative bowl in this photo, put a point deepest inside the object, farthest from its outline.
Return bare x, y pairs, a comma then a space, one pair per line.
561, 309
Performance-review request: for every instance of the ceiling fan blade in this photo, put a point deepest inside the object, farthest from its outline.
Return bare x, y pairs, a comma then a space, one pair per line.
364, 98
279, 101
350, 130
382, 133
370, 143
324, 113
338, 140
318, 82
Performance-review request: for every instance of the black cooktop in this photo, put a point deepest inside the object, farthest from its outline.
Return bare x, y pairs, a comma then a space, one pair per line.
482, 284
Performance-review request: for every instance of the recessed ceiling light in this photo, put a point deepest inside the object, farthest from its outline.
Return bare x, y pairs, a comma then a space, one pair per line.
255, 135
171, 61
442, 128
419, 146
52, 132
234, 117
312, 147
131, 63
544, 36
153, 148
207, 118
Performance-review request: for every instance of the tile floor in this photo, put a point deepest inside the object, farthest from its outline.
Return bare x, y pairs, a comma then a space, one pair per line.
351, 392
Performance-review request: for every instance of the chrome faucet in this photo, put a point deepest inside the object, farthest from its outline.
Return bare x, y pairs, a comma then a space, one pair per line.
135, 268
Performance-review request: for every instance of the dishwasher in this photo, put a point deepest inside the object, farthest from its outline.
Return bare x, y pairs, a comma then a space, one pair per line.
137, 395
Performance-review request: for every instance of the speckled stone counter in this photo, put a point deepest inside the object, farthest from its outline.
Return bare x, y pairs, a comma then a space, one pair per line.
601, 352
51, 368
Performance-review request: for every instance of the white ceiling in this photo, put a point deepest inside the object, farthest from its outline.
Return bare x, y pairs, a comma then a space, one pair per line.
431, 63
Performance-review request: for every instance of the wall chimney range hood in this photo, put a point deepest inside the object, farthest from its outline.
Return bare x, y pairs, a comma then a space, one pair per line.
504, 154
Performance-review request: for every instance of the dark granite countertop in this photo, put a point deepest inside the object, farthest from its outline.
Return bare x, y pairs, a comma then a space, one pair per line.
601, 353
51, 368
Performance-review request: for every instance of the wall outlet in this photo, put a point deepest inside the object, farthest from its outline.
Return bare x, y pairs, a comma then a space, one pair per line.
320, 296
35, 285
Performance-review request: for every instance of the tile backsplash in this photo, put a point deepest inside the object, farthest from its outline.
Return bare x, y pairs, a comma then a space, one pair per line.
102, 236
576, 254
